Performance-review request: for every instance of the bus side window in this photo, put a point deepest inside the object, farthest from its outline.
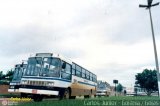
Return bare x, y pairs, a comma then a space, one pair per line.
73, 68
94, 78
68, 68
63, 69
78, 71
83, 73
66, 73
73, 71
87, 75
91, 76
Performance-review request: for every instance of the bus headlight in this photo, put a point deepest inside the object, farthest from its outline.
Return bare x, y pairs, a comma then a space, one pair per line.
12, 87
50, 84
24, 82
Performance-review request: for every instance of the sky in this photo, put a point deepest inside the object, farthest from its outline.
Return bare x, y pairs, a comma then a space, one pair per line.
111, 38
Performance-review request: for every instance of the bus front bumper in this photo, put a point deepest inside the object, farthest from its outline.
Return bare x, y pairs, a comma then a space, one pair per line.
100, 94
13, 90
38, 91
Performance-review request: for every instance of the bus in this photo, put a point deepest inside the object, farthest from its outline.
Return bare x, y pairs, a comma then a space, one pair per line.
49, 74
103, 88
15, 83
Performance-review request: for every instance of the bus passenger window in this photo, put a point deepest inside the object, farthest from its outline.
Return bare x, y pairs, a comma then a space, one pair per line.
78, 71
83, 73
66, 76
66, 73
68, 68
73, 71
94, 78
87, 75
91, 76
74, 66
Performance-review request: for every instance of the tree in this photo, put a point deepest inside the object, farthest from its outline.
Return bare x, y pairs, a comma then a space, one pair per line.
148, 80
9, 74
2, 76
119, 88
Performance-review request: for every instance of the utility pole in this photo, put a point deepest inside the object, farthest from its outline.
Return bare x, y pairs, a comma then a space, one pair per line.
148, 6
115, 82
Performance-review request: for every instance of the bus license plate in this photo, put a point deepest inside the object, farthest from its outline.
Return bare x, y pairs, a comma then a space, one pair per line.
34, 91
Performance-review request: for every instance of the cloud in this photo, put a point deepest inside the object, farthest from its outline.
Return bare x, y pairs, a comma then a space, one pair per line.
111, 38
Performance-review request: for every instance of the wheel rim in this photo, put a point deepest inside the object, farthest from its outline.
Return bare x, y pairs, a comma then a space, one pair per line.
66, 94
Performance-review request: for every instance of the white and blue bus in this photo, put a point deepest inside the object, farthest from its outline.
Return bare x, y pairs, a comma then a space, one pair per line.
15, 83
50, 74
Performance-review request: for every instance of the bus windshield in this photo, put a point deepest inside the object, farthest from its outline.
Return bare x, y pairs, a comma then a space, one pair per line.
34, 66
47, 67
17, 74
51, 67
101, 86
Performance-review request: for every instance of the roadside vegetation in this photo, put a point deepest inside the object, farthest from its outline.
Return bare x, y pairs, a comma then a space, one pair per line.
6, 78
114, 101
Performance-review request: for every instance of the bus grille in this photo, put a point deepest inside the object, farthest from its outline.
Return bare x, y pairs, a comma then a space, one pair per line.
37, 83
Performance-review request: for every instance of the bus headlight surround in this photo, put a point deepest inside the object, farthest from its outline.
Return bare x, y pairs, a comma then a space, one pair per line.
50, 84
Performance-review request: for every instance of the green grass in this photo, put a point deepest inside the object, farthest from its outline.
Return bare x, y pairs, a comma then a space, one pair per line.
9, 95
107, 101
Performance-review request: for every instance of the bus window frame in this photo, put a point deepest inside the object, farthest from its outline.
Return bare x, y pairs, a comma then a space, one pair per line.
80, 71
65, 72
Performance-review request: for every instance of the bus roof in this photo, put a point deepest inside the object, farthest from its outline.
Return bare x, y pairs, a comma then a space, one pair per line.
54, 55
58, 56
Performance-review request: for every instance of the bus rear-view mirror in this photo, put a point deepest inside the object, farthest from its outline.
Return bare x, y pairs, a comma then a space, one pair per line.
64, 65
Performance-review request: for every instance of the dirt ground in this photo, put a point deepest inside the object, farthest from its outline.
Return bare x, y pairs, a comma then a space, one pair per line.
4, 89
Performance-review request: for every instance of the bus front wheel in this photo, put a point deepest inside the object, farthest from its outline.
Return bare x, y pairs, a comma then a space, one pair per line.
87, 96
72, 97
23, 95
65, 94
37, 98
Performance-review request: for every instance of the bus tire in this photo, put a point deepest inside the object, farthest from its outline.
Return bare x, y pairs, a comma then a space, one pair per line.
86, 96
23, 95
65, 94
72, 97
37, 98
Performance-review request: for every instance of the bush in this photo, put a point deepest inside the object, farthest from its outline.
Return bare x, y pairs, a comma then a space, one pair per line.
3, 82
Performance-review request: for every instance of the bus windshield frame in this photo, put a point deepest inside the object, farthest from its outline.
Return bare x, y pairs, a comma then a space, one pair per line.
45, 67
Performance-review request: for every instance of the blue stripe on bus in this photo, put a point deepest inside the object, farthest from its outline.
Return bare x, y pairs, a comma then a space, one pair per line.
15, 81
49, 78
86, 83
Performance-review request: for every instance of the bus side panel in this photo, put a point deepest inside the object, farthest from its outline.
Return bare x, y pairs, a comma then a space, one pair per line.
81, 91
81, 86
